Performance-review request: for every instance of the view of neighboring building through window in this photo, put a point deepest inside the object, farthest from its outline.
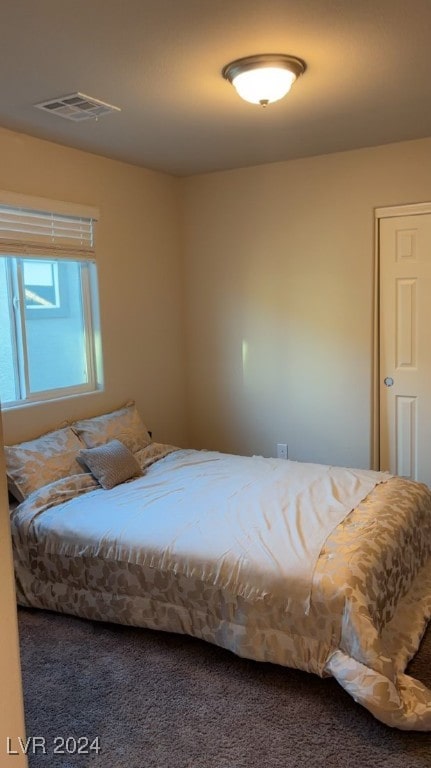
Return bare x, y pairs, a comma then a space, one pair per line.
48, 312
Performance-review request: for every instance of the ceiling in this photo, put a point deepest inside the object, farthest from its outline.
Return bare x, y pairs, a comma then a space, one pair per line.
368, 77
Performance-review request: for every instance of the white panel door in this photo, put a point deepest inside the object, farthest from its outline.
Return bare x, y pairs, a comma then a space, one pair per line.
405, 346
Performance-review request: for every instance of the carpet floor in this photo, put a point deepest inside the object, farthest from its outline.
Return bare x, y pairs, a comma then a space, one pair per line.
156, 700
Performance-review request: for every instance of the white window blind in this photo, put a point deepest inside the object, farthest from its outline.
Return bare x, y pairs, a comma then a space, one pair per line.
31, 232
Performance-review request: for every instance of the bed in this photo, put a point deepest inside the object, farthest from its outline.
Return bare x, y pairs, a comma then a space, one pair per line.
325, 569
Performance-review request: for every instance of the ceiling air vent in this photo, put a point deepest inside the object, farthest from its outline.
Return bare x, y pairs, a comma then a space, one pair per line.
77, 107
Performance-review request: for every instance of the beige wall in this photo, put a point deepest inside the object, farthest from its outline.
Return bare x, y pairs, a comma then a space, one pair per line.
278, 279
279, 297
139, 281
11, 704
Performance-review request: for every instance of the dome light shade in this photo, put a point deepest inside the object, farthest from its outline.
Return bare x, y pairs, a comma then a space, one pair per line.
264, 78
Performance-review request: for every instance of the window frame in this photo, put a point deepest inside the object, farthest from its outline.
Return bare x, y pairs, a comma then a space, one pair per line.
57, 252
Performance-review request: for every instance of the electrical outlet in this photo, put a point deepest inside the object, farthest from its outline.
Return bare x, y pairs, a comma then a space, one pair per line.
281, 450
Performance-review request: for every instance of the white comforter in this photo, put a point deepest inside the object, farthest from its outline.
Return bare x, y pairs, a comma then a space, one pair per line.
252, 526
260, 556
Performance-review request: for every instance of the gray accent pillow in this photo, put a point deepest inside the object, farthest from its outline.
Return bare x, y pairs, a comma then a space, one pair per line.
111, 463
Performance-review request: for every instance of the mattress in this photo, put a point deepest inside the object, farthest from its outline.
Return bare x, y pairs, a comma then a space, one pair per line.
320, 568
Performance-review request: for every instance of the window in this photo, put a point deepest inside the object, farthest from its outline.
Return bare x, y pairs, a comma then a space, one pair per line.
42, 287
49, 325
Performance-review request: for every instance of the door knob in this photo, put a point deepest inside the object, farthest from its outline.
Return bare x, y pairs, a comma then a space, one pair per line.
388, 381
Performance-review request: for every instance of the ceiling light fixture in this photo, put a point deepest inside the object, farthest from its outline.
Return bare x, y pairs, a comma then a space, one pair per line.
264, 78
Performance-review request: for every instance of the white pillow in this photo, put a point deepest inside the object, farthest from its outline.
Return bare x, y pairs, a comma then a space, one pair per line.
124, 424
35, 463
